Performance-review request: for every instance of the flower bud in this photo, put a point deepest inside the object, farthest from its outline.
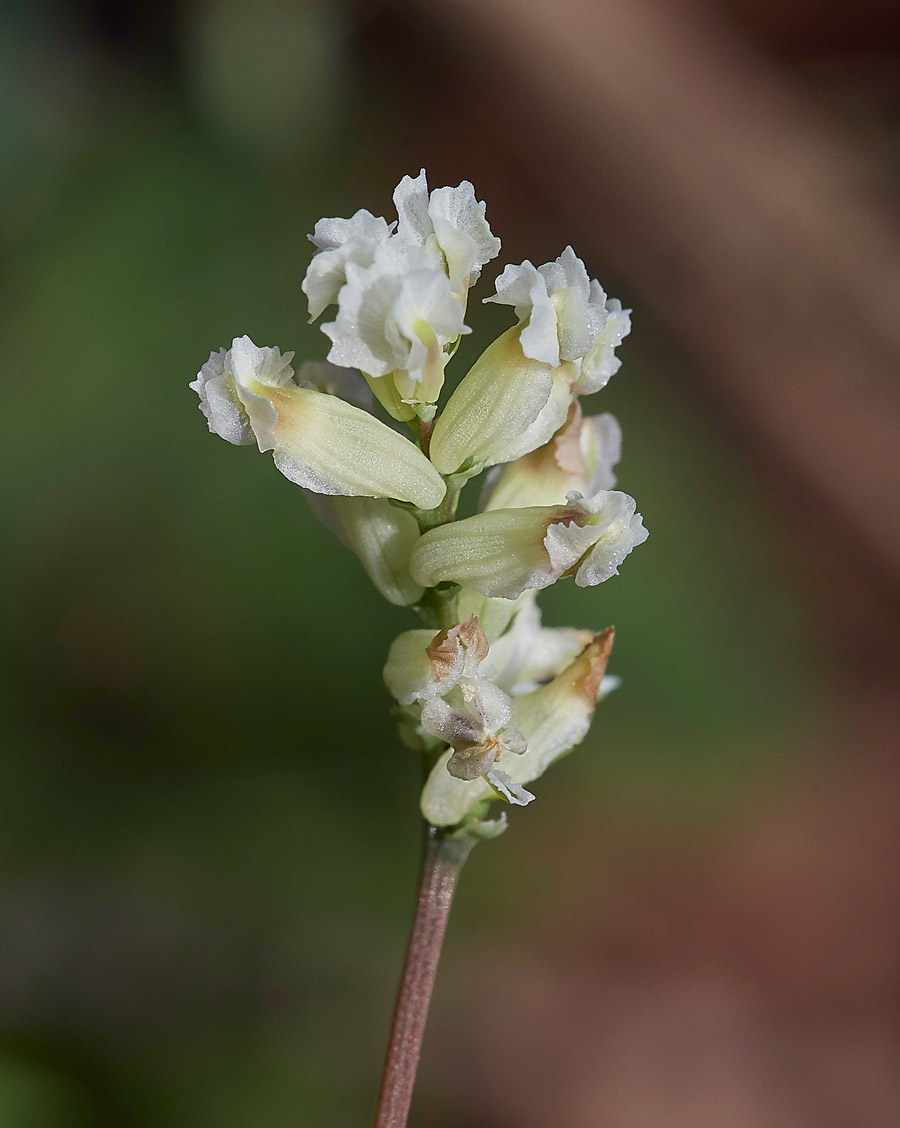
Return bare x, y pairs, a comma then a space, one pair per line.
506, 405
552, 720
423, 665
507, 551
319, 441
494, 615
580, 456
381, 535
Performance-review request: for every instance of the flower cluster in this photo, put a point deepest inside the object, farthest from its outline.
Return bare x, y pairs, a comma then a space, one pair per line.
485, 692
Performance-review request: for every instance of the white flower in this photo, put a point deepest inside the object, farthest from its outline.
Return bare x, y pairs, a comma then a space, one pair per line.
580, 456
504, 552
607, 525
340, 241
318, 441
449, 222
601, 362
551, 720
564, 309
395, 317
225, 385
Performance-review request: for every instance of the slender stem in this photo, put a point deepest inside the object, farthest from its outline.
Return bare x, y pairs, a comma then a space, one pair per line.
441, 864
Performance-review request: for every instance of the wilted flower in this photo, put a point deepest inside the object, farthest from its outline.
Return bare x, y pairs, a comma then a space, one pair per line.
551, 719
422, 665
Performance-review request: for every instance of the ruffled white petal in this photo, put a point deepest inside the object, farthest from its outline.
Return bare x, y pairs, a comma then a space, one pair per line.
332, 233
512, 792
620, 529
411, 202
462, 232
567, 541
601, 362
340, 242
525, 288
394, 317
449, 221
602, 449
562, 311
224, 412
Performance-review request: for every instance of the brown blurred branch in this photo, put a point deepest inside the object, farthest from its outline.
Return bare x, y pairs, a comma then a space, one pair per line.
748, 225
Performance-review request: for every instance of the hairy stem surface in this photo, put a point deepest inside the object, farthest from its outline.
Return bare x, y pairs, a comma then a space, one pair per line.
441, 864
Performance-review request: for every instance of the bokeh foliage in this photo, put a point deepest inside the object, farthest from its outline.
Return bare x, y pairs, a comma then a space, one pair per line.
208, 827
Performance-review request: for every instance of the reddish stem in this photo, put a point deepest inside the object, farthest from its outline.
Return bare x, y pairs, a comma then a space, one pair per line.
441, 864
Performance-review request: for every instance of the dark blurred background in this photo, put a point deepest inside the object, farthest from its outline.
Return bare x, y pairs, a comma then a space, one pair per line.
208, 831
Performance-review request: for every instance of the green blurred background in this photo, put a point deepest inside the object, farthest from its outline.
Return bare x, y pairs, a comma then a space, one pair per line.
208, 828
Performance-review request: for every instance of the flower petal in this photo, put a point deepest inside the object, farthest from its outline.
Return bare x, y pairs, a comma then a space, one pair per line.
411, 202
340, 241
462, 232
498, 554
496, 402
224, 412
512, 792
331, 447
601, 362
383, 537
621, 530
